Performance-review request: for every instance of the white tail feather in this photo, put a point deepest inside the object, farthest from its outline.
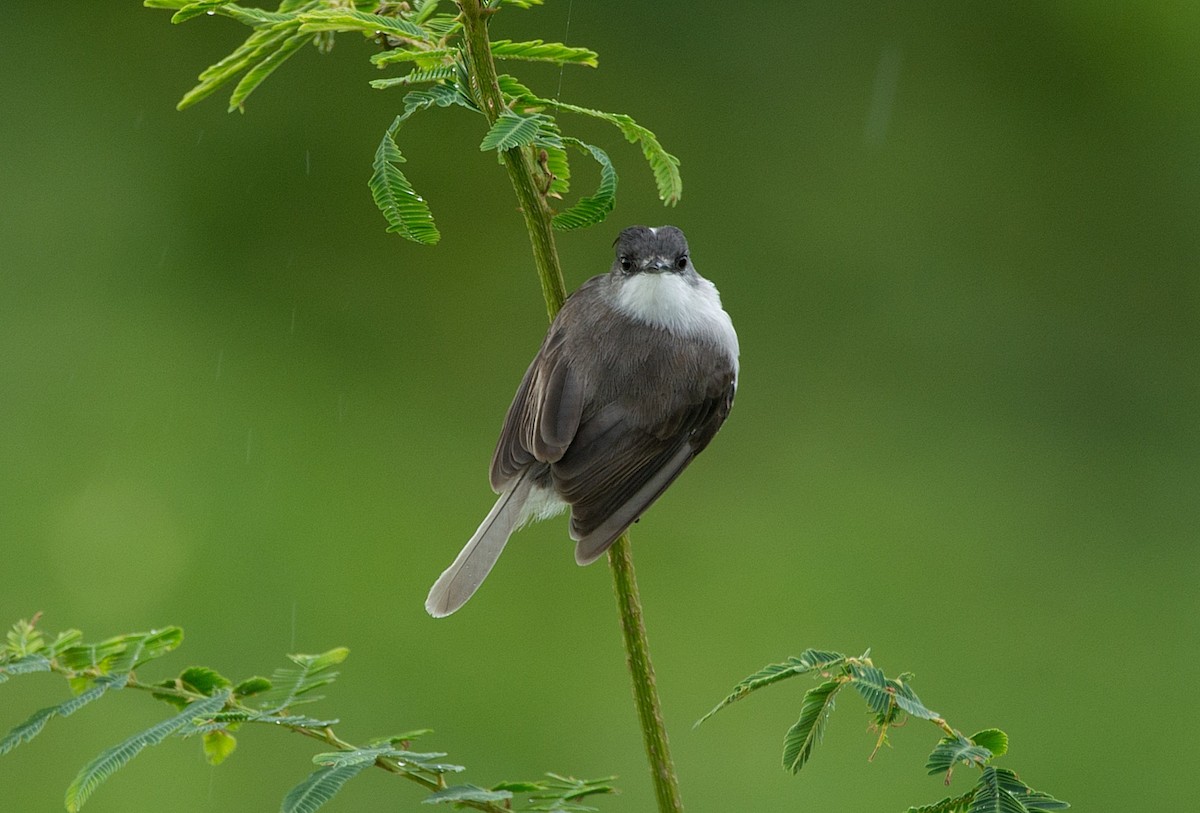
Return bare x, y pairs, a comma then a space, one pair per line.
474, 562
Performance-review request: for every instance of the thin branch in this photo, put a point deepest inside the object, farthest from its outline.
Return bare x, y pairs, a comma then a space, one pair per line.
325, 734
641, 670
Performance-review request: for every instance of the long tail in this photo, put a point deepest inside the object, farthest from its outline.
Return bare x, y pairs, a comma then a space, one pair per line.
474, 562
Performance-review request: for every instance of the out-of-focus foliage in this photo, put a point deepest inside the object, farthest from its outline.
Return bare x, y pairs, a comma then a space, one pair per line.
212, 708
430, 45
958, 242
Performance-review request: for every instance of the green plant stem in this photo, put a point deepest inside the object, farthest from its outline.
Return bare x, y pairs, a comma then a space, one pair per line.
645, 690
520, 166
518, 162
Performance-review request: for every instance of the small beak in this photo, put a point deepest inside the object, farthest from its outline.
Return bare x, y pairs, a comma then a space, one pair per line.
658, 265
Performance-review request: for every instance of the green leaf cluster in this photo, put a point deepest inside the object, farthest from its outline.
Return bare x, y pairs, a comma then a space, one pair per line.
889, 701
212, 708
998, 791
426, 43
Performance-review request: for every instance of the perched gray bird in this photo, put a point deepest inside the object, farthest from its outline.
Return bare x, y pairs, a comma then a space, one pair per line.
635, 376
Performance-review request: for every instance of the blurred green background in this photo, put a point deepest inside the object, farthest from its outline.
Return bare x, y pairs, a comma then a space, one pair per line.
960, 243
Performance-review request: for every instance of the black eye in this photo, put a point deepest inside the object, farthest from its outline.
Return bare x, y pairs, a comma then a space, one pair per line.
681, 263
626, 265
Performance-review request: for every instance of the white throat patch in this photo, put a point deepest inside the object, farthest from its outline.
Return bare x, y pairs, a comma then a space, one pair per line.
684, 306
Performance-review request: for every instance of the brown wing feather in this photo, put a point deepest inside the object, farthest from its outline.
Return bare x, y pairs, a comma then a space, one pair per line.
611, 474
543, 416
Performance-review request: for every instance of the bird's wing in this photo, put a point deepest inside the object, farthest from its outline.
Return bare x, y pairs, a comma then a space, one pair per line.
543, 417
613, 471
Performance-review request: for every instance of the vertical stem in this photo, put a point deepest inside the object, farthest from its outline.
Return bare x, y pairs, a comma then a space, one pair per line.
517, 161
645, 690
519, 164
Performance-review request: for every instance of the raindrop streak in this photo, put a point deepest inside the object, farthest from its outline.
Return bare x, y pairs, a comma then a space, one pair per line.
220, 360
199, 137
883, 97
341, 406
292, 646
307, 162
141, 117
292, 329
249, 443
566, 39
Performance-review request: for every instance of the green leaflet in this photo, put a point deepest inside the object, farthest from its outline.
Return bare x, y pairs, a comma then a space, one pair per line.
442, 95
951, 804
329, 19
278, 35
252, 686
906, 699
537, 50
320, 786
290, 685
803, 736
408, 736
338, 759
513, 130
952, 750
218, 745
112, 760
466, 793
410, 761
515, 92
423, 763
443, 26
664, 165
406, 212
1033, 801
594, 208
873, 686
190, 10
254, 49
992, 739
552, 157
435, 74
424, 9
195, 678
808, 661
243, 14
23, 639
559, 168
122, 653
559, 792
29, 729
425, 59
203, 679
255, 76
24, 666
992, 797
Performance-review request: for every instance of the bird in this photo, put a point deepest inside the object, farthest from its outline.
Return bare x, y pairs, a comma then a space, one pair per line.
636, 374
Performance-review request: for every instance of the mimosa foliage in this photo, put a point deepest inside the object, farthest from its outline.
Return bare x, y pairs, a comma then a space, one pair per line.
425, 42
889, 701
210, 707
